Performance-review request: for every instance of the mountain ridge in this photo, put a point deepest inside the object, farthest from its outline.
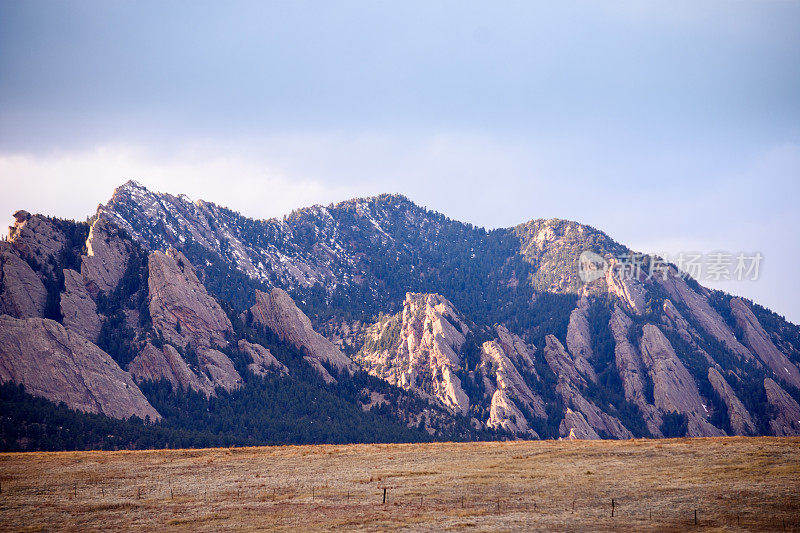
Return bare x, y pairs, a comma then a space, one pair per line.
453, 330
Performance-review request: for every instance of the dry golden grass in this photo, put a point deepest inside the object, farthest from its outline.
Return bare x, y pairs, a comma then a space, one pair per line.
548, 485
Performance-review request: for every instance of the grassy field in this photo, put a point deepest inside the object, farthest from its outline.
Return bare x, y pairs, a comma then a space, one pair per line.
733, 484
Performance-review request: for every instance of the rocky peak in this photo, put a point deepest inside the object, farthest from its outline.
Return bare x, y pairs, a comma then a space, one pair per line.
36, 239
418, 349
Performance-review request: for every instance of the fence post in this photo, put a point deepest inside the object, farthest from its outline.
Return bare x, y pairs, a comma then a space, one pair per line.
612, 507
384, 495
695, 517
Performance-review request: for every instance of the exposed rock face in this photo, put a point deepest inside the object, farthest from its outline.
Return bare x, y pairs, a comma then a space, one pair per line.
278, 312
22, 294
702, 312
264, 362
568, 387
36, 238
495, 361
417, 349
673, 319
78, 308
759, 342
629, 290
64, 367
787, 418
154, 364
741, 421
579, 341
631, 370
217, 365
504, 414
575, 427
181, 309
560, 361
520, 353
673, 386
106, 258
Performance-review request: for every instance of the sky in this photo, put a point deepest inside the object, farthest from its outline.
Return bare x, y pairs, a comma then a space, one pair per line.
672, 126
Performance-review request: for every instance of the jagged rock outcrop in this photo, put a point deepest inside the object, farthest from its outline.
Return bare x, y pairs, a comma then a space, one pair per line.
181, 309
278, 312
704, 314
626, 288
106, 259
22, 293
495, 362
263, 362
674, 320
560, 362
62, 366
575, 427
78, 308
36, 239
154, 364
631, 370
786, 422
504, 414
520, 353
568, 387
740, 419
674, 390
759, 342
579, 342
219, 367
417, 349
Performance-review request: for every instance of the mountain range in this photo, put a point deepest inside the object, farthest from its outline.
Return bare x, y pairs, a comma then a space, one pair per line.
165, 322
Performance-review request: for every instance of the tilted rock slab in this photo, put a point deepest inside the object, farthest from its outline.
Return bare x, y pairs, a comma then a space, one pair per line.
579, 340
278, 312
22, 293
568, 387
575, 427
263, 362
508, 378
759, 341
741, 421
504, 414
787, 418
673, 386
182, 310
62, 366
78, 308
631, 370
154, 364
36, 238
106, 259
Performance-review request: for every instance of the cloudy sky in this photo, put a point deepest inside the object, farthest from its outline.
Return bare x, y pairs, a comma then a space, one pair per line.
673, 126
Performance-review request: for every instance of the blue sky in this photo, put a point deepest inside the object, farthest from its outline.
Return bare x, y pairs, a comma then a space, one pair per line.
673, 126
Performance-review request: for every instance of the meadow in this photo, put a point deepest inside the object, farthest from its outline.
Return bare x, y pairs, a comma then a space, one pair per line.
721, 484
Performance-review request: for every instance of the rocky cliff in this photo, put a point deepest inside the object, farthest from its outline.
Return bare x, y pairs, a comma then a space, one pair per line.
278, 312
64, 367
